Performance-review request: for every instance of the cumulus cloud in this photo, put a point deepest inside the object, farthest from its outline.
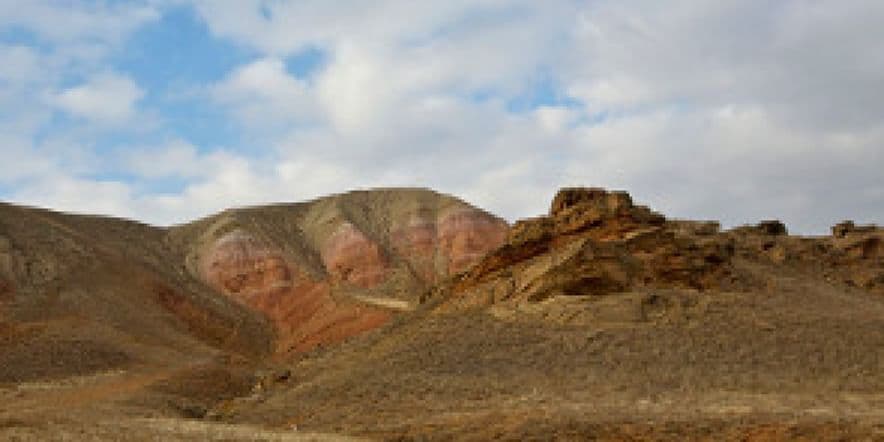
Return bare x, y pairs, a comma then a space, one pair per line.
75, 195
738, 110
105, 98
21, 65
77, 20
175, 158
285, 27
808, 63
263, 94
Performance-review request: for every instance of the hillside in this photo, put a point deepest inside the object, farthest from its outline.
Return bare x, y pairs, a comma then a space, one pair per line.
407, 314
604, 320
81, 294
331, 268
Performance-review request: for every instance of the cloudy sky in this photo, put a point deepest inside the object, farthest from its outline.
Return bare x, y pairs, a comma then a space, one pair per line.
166, 110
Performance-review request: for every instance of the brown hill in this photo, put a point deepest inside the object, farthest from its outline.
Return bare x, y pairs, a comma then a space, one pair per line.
406, 314
84, 288
606, 321
332, 268
83, 293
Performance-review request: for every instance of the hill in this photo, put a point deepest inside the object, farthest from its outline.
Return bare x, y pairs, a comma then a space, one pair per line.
406, 314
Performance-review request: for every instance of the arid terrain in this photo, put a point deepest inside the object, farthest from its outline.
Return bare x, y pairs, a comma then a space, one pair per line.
405, 314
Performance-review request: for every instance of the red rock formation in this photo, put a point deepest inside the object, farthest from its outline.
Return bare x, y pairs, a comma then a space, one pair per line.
467, 235
243, 268
302, 309
416, 241
351, 257
383, 250
458, 239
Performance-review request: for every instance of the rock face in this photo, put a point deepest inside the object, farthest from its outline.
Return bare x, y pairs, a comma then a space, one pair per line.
416, 238
314, 269
465, 236
351, 257
239, 265
852, 255
593, 243
303, 309
596, 243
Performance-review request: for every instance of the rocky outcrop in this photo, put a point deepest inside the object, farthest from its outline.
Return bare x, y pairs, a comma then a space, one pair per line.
854, 254
593, 243
849, 228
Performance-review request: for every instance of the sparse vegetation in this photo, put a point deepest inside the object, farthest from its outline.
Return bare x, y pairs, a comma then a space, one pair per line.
601, 321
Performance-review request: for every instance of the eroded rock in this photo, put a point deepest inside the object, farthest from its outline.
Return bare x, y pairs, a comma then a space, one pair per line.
466, 235
302, 309
242, 267
351, 257
316, 271
416, 239
848, 227
596, 243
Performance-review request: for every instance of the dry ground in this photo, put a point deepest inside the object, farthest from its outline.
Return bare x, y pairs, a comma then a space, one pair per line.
796, 361
113, 340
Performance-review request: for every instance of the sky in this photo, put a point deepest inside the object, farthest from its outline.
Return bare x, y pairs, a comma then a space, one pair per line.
168, 110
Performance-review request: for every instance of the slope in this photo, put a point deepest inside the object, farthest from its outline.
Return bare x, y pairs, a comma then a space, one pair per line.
81, 294
606, 321
328, 269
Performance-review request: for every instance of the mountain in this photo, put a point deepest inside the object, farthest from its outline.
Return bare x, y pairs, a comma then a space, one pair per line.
335, 267
406, 314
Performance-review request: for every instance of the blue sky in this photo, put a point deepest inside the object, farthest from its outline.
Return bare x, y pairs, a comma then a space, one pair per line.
167, 110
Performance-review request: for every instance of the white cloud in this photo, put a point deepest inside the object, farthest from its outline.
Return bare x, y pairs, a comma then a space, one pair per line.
176, 158
226, 180
285, 27
734, 164
262, 93
358, 88
555, 119
735, 109
74, 195
809, 64
21, 65
107, 98
65, 22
